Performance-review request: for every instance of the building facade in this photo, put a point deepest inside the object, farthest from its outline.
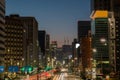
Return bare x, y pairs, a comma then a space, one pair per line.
100, 24
86, 55
2, 34
2, 31
113, 7
13, 41
31, 40
42, 40
83, 28
42, 45
116, 10
21, 40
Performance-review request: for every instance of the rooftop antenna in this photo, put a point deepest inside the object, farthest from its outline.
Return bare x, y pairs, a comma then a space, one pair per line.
67, 41
64, 41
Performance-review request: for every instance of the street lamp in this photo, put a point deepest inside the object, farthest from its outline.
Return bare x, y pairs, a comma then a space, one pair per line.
75, 58
103, 41
94, 50
77, 45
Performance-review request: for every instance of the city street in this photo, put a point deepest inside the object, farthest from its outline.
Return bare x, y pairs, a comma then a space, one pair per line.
59, 39
66, 76
59, 76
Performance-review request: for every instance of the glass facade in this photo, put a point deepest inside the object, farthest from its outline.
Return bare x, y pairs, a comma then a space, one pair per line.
101, 32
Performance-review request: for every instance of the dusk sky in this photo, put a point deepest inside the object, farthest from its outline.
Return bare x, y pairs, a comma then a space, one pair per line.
58, 17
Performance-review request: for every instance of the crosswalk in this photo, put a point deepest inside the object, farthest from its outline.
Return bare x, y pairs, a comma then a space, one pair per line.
65, 76
56, 77
59, 76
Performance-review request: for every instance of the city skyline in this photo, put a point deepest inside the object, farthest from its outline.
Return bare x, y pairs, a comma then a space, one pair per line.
58, 18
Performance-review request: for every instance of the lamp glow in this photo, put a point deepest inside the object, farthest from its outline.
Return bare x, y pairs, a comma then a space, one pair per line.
77, 45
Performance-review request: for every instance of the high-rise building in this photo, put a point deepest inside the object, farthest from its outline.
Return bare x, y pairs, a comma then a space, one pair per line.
48, 50
67, 50
116, 11
42, 40
47, 41
31, 40
2, 31
42, 45
100, 25
54, 46
67, 53
21, 40
83, 29
113, 8
86, 54
13, 41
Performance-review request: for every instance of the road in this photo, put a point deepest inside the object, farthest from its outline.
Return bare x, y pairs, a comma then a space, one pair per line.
66, 76
58, 76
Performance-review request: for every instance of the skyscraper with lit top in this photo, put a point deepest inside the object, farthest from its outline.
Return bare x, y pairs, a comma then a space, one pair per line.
113, 9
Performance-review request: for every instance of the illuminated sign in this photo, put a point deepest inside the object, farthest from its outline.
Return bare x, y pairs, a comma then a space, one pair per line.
28, 69
99, 14
13, 68
1, 69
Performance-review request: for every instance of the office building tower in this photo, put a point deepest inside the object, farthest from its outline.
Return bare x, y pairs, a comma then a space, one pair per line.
113, 8
47, 42
42, 40
2, 31
116, 10
21, 40
31, 41
100, 25
13, 41
86, 54
42, 45
83, 29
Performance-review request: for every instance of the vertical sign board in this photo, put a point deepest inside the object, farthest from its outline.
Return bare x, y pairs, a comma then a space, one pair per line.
27, 69
1, 69
13, 69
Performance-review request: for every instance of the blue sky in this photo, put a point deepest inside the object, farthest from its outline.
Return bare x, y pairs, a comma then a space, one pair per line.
58, 17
